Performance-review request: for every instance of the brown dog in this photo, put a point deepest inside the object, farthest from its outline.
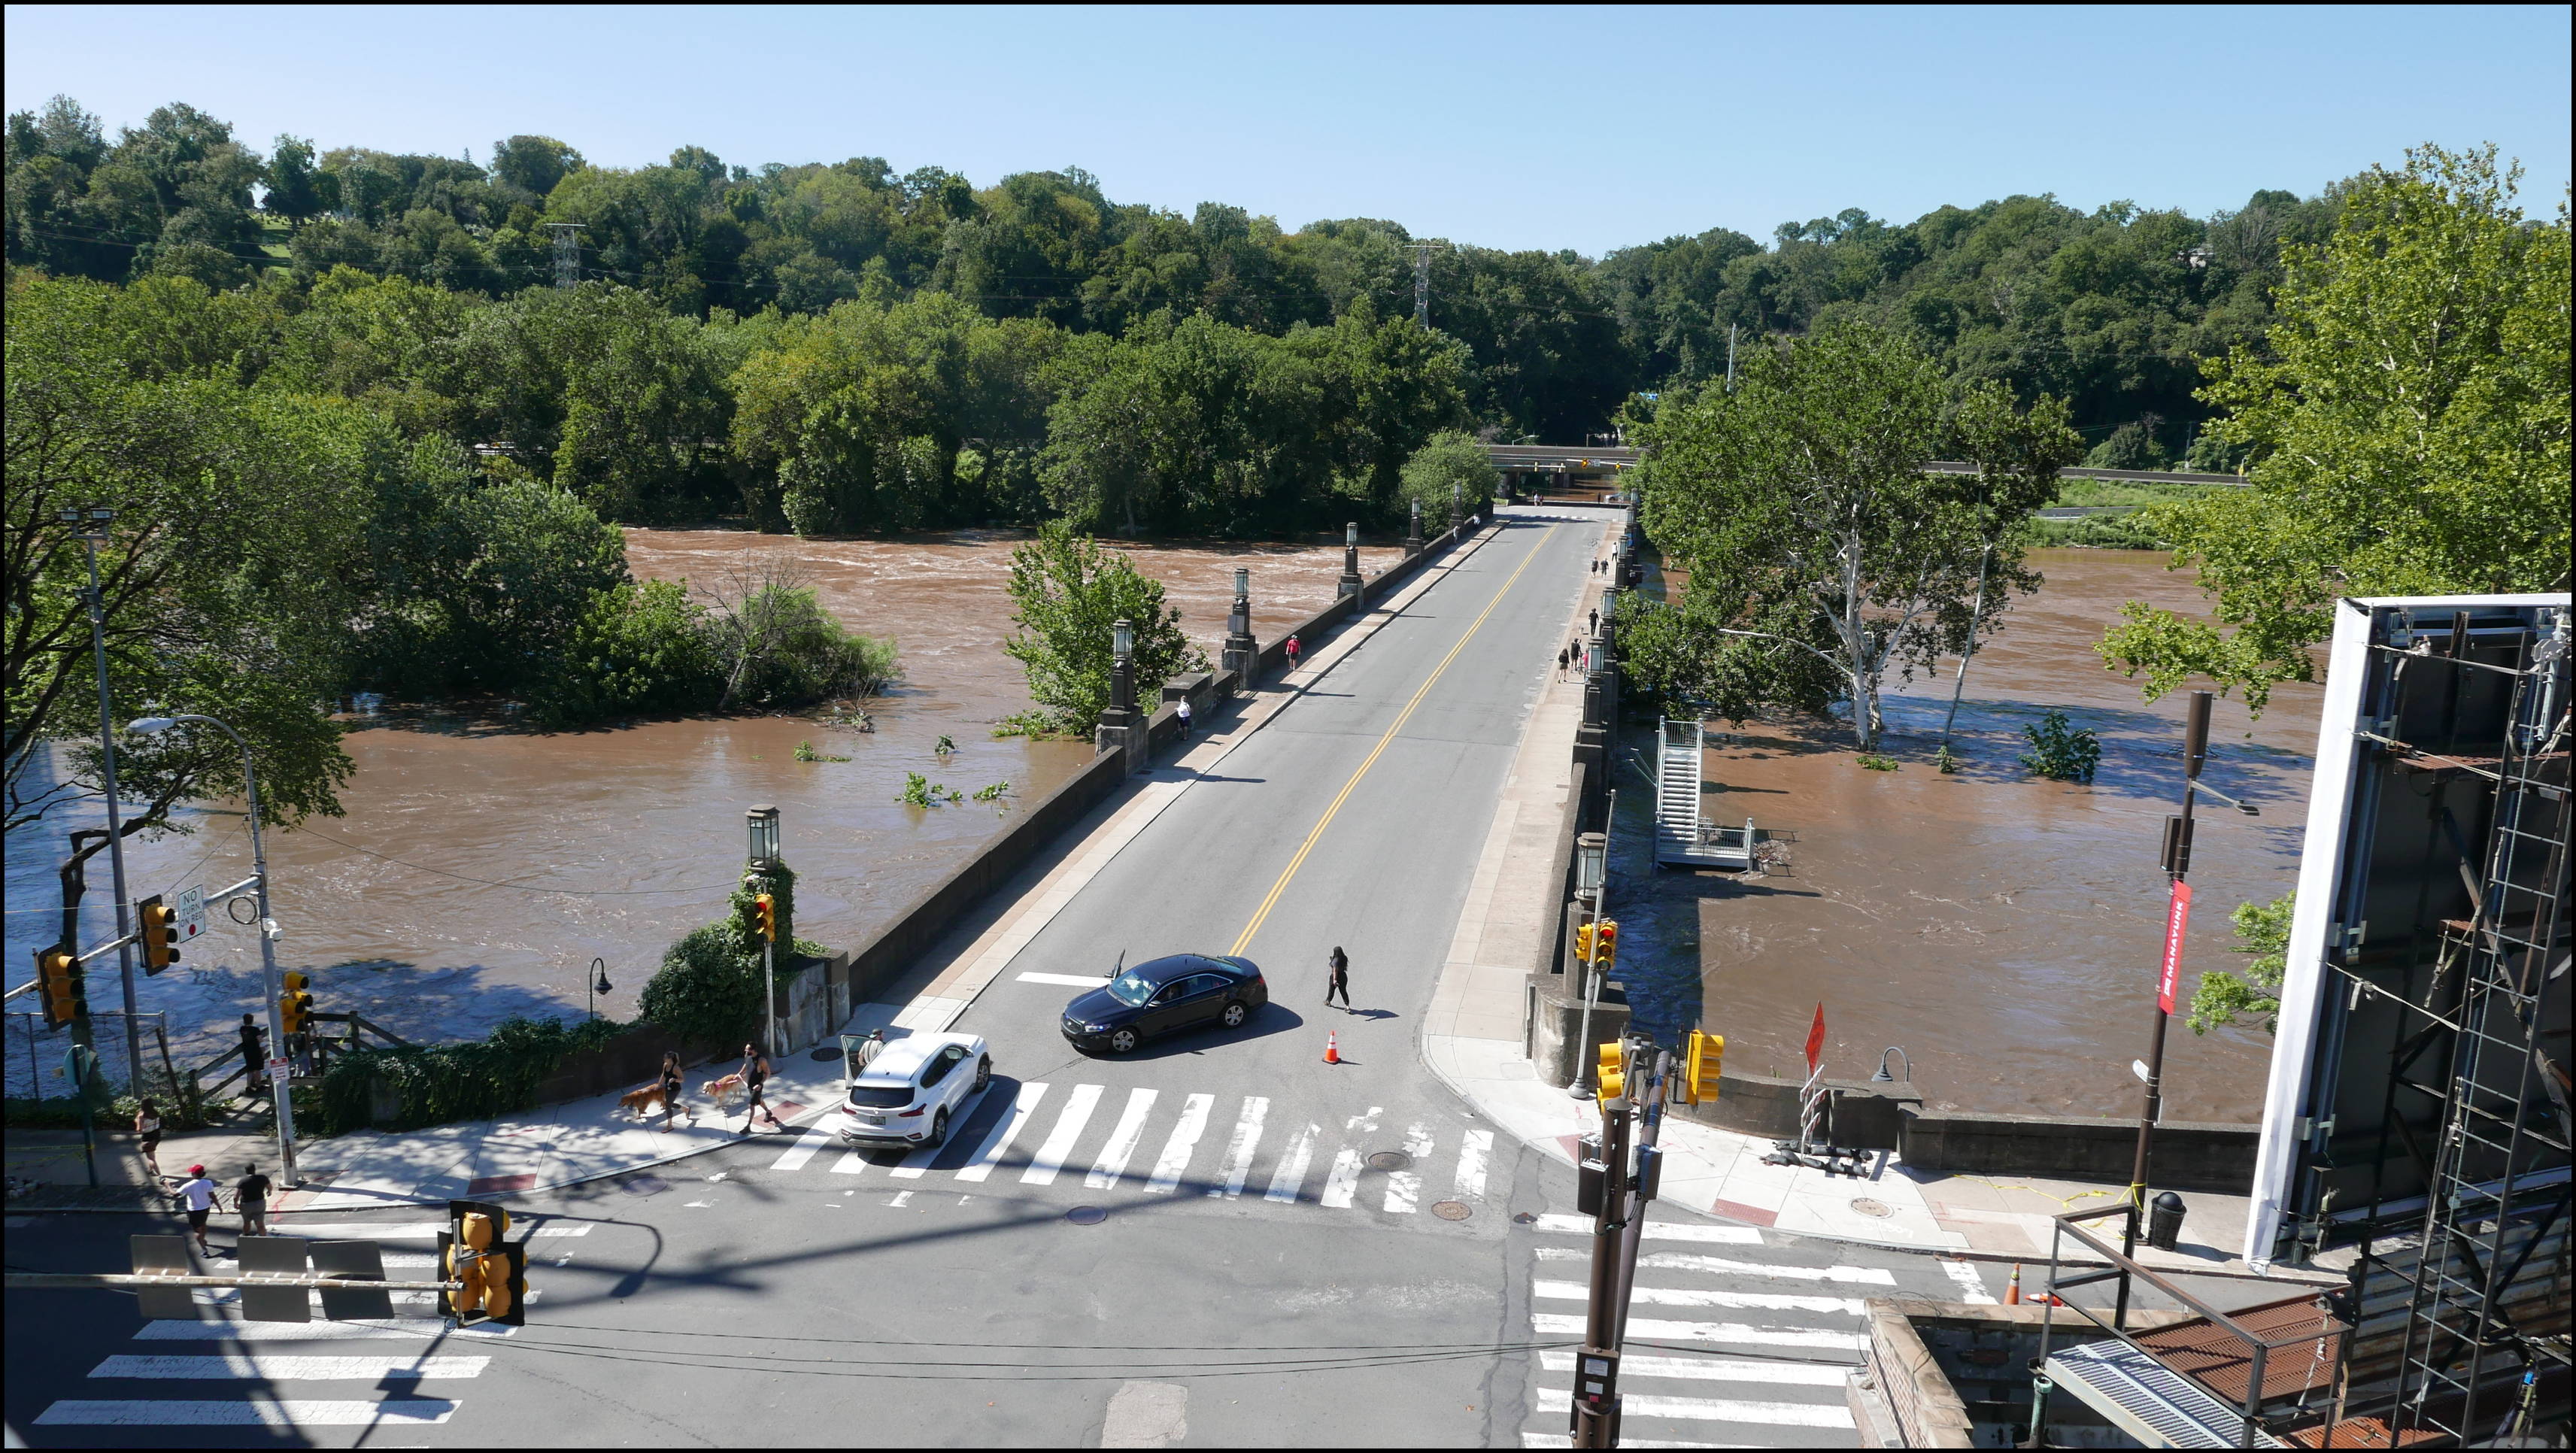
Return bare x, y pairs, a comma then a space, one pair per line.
643, 1101
724, 1091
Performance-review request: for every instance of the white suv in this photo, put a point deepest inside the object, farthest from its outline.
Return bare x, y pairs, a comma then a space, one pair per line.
913, 1090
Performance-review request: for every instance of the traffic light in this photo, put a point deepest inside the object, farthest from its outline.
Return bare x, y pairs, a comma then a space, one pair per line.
295, 1006
160, 934
492, 1274
66, 997
1583, 940
1612, 1081
1605, 943
765, 913
1700, 1066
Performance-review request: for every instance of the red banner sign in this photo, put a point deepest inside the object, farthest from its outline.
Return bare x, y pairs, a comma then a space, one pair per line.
2176, 915
1816, 1038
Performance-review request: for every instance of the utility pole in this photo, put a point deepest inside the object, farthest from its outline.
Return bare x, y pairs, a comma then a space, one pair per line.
2177, 866
97, 520
1422, 284
567, 253
1616, 1192
1730, 358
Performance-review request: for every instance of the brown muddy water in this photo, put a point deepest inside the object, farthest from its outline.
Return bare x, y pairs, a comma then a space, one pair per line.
481, 867
2004, 930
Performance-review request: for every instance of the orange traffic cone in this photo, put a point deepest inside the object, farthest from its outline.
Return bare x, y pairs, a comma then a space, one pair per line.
2012, 1290
1332, 1049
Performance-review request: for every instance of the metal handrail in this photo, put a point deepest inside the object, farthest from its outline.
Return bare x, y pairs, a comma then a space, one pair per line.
2123, 1267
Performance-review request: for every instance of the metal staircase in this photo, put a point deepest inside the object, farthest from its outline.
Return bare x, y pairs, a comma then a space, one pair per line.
1681, 836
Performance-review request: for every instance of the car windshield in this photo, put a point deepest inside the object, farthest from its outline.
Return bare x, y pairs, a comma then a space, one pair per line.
881, 1097
1131, 989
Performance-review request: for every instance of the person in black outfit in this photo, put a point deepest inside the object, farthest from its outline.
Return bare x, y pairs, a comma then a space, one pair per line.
1340, 983
755, 1081
670, 1079
254, 1063
250, 1193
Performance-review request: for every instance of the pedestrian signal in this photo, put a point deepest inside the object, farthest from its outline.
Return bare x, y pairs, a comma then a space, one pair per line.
1605, 943
1613, 1078
1583, 941
295, 1006
490, 1275
765, 913
160, 934
1700, 1066
66, 998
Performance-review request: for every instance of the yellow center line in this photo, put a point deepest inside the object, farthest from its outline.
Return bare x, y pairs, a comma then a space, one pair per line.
1299, 861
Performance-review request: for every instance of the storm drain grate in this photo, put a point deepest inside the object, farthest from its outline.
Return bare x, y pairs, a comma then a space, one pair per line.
1390, 1160
1452, 1210
1086, 1215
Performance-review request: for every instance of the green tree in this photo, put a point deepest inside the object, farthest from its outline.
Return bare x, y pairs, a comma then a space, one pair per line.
2263, 933
638, 650
2407, 425
292, 191
1069, 592
1452, 466
1800, 507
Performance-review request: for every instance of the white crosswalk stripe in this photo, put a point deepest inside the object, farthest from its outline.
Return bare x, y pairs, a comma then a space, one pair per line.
1474, 1153
234, 1330
288, 1367
1723, 1410
1121, 1148
1971, 1287
1068, 1128
1184, 1143
1343, 1182
1741, 1334
1562, 1224
1712, 1369
795, 1156
1291, 1175
1239, 1150
260, 1412
1005, 1130
1404, 1187
338, 1230
1566, 1440
1574, 1291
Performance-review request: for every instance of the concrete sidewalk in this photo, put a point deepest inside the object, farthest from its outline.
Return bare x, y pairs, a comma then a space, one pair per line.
1473, 1039
585, 1140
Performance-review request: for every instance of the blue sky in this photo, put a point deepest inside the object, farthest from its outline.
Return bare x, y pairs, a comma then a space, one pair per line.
1586, 128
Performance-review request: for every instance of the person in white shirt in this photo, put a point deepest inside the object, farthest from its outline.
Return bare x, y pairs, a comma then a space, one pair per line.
198, 1194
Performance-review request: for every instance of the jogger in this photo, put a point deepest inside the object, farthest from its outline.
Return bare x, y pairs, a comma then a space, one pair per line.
755, 1082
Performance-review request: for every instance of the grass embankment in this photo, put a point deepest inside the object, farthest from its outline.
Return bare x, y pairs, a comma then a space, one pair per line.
2122, 531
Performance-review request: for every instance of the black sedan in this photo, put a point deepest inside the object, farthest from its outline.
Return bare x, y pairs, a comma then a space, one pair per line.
1180, 992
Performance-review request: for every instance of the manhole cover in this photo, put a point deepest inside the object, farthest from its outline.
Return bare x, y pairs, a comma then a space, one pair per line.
1869, 1206
643, 1185
1086, 1215
1390, 1160
829, 1051
1452, 1210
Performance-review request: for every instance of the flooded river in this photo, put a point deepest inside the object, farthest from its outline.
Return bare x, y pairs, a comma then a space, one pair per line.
2002, 929
482, 867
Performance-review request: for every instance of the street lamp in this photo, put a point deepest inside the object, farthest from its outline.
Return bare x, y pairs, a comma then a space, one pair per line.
1591, 866
1350, 584
282, 1094
1122, 640
762, 822
598, 984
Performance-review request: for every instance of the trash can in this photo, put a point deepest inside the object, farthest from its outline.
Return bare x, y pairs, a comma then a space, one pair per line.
2164, 1221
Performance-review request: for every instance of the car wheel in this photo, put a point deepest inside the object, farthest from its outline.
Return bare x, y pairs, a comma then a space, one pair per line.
938, 1130
1122, 1040
1234, 1015
983, 1072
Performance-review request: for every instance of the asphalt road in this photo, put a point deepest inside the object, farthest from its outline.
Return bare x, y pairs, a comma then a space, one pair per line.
1220, 1240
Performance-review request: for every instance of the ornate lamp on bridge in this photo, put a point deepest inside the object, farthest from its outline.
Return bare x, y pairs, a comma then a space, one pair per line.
1121, 728
1351, 585
1241, 654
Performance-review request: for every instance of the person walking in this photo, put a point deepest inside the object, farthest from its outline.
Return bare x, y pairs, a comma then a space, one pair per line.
1596, 622
197, 1194
1340, 982
670, 1082
1293, 649
250, 1197
254, 1063
147, 1138
755, 1084
1185, 718
1564, 655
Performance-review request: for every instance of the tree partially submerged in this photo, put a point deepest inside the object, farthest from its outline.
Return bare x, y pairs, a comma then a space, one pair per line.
1070, 592
2407, 422
1821, 554
2238, 997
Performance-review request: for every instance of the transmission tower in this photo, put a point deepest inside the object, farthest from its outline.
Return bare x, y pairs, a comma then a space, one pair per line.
567, 253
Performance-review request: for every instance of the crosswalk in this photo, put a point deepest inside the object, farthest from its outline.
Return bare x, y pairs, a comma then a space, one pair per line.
1735, 1337
1158, 1144
224, 1372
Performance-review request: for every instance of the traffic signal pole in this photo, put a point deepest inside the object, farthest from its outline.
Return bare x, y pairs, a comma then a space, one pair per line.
90, 536
1596, 1418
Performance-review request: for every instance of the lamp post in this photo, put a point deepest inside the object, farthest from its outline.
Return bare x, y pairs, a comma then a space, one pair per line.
95, 532
1351, 585
1120, 727
1591, 862
280, 1090
761, 822
1241, 654
1413, 537
597, 984
1455, 515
